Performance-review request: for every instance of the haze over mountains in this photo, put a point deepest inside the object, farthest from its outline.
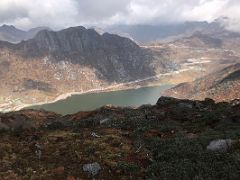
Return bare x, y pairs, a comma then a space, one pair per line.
141, 33
12, 34
155, 33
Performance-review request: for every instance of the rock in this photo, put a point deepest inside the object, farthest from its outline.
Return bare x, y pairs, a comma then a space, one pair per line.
235, 102
191, 136
38, 150
145, 106
93, 134
93, 168
104, 121
220, 145
185, 105
166, 101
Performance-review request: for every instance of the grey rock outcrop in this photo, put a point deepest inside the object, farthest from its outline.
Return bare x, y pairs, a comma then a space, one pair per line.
93, 168
220, 145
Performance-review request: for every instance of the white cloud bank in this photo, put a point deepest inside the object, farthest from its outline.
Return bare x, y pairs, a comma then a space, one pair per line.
64, 13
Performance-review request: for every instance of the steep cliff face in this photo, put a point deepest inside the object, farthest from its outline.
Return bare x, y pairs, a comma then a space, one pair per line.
116, 58
222, 86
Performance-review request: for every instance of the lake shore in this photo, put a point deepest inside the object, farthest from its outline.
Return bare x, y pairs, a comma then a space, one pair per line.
67, 95
117, 87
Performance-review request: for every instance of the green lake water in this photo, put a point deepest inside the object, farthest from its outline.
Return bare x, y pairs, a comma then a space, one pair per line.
91, 101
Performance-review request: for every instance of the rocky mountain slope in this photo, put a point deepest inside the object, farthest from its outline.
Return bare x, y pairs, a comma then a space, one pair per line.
11, 34
222, 85
73, 59
114, 57
174, 139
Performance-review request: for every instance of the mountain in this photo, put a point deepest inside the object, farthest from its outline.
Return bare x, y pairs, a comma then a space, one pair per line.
174, 139
70, 60
32, 32
217, 40
114, 57
222, 85
145, 34
11, 34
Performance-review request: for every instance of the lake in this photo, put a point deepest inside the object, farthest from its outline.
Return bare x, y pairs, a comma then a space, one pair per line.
92, 101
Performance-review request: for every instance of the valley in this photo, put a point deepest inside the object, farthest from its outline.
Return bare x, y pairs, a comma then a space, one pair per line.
125, 90
54, 65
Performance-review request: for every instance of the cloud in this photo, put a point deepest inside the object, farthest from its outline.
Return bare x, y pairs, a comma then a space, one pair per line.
28, 13
64, 13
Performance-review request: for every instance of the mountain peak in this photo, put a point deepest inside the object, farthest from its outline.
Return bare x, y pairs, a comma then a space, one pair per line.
72, 29
8, 26
78, 40
14, 35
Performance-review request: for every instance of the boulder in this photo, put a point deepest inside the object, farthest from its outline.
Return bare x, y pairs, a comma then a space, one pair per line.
220, 145
92, 168
162, 101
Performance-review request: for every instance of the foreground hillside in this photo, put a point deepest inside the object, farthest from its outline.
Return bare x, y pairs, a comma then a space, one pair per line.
175, 139
222, 85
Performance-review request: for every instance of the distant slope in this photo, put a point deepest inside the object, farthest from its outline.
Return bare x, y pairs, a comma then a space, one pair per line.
11, 34
223, 85
153, 33
223, 40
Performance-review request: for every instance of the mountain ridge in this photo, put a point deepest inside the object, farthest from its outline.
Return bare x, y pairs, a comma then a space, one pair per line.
14, 35
222, 85
145, 34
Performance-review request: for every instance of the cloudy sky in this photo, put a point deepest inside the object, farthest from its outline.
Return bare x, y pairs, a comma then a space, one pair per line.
63, 13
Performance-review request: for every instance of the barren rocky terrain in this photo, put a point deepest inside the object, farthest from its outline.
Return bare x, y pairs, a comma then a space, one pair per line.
222, 85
